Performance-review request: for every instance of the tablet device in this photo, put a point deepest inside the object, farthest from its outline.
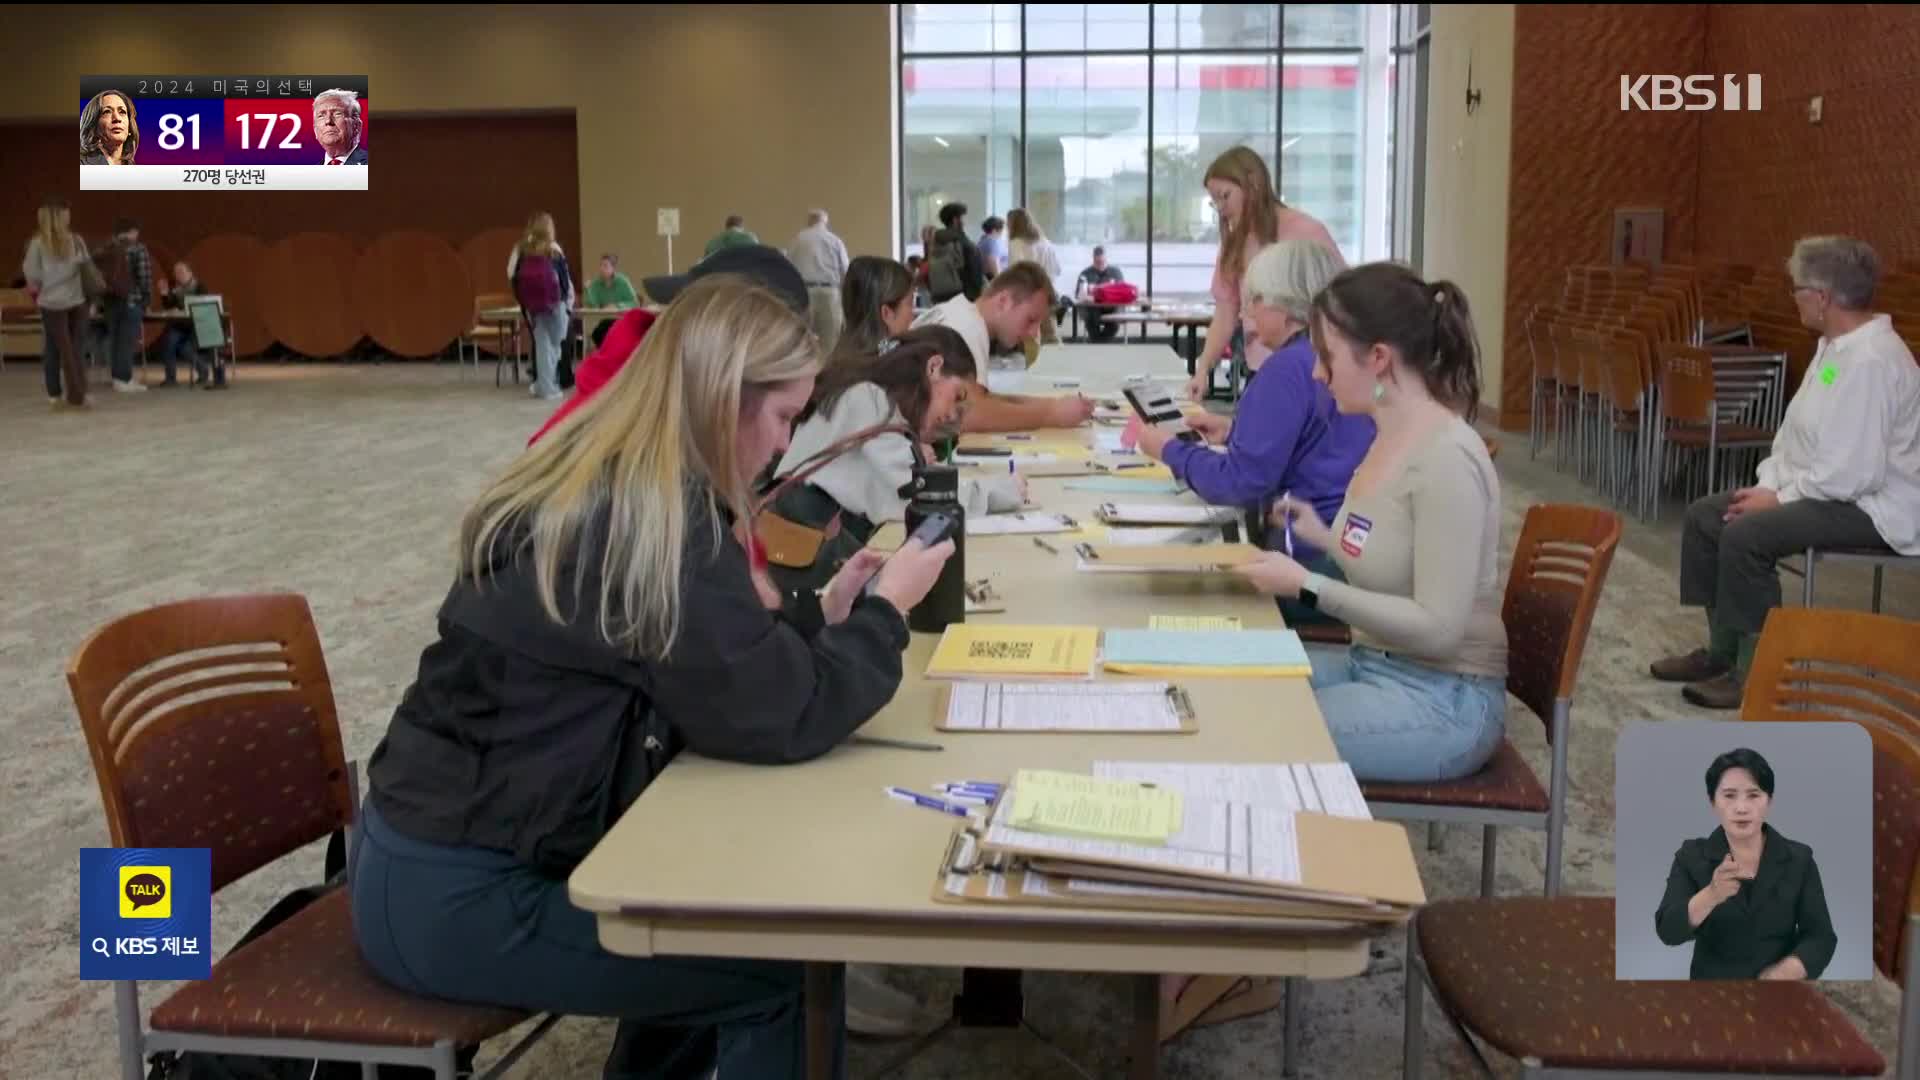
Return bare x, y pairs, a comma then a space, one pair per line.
1154, 405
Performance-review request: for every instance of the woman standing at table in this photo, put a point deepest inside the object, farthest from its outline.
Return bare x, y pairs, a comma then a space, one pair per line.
1251, 217
1286, 438
1421, 694
543, 287
604, 616
53, 269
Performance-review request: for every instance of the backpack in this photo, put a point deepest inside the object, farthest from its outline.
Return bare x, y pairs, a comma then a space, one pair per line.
1116, 292
946, 268
118, 269
196, 1065
536, 284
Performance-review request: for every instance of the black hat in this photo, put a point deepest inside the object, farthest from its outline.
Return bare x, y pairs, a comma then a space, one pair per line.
761, 264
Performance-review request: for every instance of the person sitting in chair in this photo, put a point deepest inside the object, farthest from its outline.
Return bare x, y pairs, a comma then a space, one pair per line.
1844, 471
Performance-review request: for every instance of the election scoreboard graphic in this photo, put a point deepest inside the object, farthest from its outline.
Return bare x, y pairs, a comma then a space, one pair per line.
279, 132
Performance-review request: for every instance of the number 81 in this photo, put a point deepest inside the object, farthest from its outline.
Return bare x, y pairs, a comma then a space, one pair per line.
171, 131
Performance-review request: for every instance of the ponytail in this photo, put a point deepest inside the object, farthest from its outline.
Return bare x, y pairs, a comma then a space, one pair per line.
1453, 373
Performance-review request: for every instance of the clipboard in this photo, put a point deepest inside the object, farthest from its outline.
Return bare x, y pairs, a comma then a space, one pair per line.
1177, 696
970, 874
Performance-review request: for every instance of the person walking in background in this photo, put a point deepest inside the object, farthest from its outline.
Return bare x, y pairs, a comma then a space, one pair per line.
953, 262
543, 286
178, 341
128, 270
875, 304
821, 258
993, 246
1251, 217
735, 234
1029, 244
609, 289
53, 270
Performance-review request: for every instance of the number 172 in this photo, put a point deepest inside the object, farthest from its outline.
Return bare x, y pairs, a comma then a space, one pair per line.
269, 121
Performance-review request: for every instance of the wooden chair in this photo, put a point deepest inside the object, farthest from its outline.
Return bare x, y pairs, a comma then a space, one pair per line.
1560, 564
1689, 415
491, 336
238, 686
1535, 977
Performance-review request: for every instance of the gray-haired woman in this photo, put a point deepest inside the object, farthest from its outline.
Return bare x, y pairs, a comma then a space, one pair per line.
1844, 471
1287, 439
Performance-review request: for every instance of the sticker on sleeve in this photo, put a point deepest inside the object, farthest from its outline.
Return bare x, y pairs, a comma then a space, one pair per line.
1353, 538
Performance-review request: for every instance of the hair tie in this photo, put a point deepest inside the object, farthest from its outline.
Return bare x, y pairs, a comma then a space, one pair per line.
885, 345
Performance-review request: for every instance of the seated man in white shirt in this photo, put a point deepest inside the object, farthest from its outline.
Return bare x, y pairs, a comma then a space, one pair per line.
1008, 313
1844, 471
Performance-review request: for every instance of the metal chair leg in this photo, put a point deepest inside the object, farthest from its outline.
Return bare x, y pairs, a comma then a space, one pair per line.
1413, 1037
1489, 852
1290, 1028
1436, 837
1878, 570
1807, 559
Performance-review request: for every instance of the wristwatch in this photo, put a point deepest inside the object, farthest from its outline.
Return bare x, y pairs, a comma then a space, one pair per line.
1310, 592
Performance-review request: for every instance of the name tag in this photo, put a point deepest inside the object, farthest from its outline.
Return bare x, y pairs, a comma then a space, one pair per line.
1353, 538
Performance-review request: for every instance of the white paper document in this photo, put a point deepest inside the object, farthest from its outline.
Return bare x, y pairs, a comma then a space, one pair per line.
1163, 534
1018, 524
1167, 514
1108, 442
1326, 787
998, 461
1116, 706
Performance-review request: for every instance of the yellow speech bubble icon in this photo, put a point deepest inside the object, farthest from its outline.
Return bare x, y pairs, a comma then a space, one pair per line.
146, 892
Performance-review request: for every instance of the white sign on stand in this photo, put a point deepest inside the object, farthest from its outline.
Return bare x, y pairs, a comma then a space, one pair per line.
668, 221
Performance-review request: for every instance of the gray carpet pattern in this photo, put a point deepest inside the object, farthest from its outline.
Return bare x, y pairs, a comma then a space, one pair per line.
345, 484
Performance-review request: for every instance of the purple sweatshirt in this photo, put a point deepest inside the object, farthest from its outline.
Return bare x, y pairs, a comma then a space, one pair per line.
1286, 437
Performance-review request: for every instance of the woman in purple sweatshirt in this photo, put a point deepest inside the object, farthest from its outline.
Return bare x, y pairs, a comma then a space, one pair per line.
1285, 438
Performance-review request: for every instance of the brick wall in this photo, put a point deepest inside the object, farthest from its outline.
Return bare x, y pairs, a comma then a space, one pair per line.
1577, 157
1768, 178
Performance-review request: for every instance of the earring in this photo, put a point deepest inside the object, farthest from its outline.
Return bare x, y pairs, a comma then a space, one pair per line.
1379, 391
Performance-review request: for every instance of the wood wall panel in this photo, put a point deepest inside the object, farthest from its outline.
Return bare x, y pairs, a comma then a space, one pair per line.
306, 294
413, 293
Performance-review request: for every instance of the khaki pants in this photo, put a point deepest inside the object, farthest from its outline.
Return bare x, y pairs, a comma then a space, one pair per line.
823, 312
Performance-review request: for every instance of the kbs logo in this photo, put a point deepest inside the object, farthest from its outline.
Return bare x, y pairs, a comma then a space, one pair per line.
1693, 93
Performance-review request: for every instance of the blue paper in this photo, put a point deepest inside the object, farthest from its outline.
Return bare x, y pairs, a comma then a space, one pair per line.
1124, 485
1206, 648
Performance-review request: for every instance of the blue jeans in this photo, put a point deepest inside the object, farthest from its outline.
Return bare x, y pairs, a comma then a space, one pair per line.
123, 336
1397, 721
549, 335
467, 924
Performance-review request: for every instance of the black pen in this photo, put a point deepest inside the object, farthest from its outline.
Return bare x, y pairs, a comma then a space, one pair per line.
1044, 546
1136, 465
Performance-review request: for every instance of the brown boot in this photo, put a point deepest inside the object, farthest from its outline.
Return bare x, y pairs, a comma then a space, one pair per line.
1721, 692
1695, 667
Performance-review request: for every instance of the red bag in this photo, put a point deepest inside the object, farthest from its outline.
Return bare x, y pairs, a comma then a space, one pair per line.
1116, 292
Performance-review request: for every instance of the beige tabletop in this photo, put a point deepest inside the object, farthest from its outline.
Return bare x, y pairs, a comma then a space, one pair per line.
813, 862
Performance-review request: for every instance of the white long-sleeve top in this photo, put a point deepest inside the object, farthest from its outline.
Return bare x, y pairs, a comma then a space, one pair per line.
867, 480
1852, 433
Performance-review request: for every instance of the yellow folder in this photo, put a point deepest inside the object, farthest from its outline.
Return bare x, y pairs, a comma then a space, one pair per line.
977, 651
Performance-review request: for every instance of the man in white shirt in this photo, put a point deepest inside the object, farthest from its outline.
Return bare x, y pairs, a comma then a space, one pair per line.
821, 259
1844, 470
1008, 314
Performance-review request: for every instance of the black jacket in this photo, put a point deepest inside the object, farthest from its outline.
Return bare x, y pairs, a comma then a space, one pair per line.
1781, 912
524, 735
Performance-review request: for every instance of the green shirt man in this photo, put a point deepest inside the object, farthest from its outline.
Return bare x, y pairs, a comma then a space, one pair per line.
734, 235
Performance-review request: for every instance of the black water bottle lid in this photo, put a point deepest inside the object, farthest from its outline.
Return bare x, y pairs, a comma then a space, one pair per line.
938, 482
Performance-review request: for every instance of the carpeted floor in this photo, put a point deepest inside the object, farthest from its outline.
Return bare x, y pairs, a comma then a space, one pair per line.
345, 484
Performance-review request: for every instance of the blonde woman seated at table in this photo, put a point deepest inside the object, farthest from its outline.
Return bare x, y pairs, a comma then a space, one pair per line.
1421, 693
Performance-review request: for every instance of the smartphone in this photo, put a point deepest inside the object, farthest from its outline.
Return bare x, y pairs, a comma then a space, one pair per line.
935, 528
1155, 406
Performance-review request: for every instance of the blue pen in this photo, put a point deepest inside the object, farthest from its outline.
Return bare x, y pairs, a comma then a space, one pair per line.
973, 785
970, 791
1009, 466
927, 801
1286, 514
